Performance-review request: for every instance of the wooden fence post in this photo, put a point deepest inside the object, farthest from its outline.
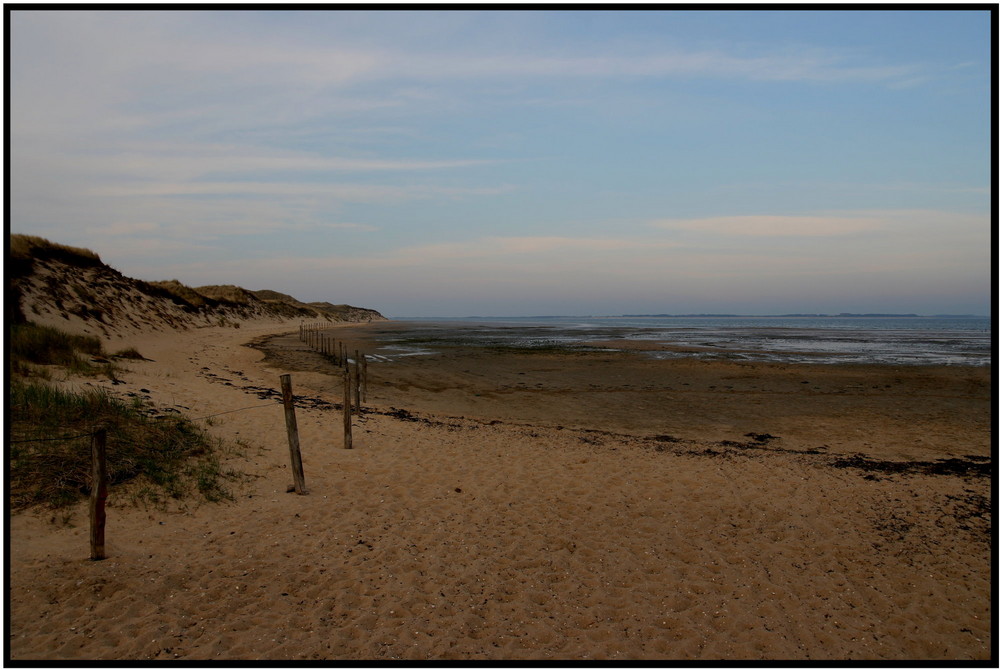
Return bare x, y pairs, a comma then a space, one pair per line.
364, 378
348, 442
98, 492
293, 434
357, 381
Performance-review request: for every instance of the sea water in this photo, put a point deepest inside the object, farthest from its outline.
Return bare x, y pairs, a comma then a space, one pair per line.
831, 339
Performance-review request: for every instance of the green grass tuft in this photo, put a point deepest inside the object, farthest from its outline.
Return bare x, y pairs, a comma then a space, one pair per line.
32, 345
170, 457
173, 454
129, 354
45, 345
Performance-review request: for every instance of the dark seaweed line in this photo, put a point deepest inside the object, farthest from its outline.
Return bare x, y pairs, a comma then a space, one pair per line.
970, 465
967, 466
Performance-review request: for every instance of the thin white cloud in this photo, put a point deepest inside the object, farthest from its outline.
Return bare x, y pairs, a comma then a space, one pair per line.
555, 248
122, 228
72, 61
149, 251
935, 252
512, 268
197, 159
850, 224
247, 224
332, 191
928, 187
164, 133
548, 254
776, 226
804, 65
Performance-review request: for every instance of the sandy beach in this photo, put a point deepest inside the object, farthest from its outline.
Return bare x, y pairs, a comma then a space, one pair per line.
560, 505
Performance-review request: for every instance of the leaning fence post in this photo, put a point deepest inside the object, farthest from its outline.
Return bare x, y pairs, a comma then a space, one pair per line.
293, 434
98, 492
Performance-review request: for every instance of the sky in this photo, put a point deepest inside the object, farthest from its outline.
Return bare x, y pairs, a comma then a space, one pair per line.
517, 162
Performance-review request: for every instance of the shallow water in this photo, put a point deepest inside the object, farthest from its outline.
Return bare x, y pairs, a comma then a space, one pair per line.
831, 340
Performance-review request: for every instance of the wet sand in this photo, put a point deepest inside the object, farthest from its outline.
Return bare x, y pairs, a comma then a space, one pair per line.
895, 412
531, 506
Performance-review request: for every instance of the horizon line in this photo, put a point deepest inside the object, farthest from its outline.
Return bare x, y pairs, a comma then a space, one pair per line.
709, 315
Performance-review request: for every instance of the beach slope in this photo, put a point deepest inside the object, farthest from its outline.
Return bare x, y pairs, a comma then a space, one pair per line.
460, 535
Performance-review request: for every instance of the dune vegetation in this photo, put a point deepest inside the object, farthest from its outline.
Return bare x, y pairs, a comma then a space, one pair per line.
165, 456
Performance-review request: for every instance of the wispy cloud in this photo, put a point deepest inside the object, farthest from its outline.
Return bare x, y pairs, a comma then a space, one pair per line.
333, 191
229, 71
554, 249
803, 65
776, 226
851, 224
548, 254
205, 158
939, 250
501, 149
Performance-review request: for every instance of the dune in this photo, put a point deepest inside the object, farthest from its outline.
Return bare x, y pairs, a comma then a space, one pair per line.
73, 290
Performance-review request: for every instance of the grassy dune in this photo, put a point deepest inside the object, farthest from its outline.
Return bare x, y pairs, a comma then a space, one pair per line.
169, 457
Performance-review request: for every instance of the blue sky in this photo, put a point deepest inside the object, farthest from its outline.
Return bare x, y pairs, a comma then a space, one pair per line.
517, 162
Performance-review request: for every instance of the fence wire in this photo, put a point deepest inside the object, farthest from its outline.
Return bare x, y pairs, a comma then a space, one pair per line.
65, 438
91, 434
256, 406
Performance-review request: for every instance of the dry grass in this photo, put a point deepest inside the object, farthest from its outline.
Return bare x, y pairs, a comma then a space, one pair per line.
49, 429
227, 293
178, 289
36, 348
29, 246
130, 353
49, 451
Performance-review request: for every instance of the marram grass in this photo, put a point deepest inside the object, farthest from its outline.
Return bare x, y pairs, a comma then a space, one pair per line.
49, 457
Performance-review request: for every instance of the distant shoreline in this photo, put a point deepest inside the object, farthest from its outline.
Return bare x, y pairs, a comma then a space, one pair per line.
564, 317
842, 315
